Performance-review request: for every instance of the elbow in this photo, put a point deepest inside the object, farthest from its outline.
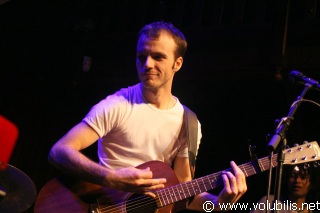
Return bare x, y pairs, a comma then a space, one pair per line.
53, 155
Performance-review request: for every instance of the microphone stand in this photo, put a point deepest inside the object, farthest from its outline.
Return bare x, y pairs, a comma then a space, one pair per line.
280, 136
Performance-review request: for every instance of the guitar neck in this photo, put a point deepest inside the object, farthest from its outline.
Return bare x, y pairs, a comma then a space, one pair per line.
188, 189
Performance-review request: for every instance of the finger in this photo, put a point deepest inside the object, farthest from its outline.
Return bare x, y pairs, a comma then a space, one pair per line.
230, 182
161, 180
236, 169
150, 194
155, 183
240, 177
230, 193
145, 173
226, 182
154, 187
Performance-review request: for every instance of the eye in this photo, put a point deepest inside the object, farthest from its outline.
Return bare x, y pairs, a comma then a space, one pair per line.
293, 175
158, 57
141, 58
303, 176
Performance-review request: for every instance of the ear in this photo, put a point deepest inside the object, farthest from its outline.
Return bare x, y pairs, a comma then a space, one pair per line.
178, 64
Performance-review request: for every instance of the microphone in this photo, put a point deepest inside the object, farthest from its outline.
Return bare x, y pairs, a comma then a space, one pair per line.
296, 76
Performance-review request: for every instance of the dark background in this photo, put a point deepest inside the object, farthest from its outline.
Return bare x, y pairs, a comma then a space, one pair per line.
235, 73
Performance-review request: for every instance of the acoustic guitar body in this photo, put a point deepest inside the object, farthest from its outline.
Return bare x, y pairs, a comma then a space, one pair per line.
67, 195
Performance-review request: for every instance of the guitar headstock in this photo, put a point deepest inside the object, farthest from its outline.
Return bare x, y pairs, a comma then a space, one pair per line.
307, 152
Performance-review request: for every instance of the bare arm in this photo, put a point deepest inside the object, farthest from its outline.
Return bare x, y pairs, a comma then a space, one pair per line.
66, 156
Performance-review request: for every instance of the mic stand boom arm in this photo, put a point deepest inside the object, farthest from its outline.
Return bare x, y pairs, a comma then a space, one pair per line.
280, 136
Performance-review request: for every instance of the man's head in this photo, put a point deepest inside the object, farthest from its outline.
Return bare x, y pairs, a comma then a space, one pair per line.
153, 30
159, 55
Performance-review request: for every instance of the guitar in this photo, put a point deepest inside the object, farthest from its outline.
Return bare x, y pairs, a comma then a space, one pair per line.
61, 195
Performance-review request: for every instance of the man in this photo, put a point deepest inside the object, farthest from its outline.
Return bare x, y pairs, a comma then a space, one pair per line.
139, 124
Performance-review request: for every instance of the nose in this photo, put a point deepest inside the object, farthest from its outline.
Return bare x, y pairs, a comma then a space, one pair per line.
149, 63
298, 179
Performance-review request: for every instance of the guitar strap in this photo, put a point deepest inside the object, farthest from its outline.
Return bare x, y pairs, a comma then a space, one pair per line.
191, 125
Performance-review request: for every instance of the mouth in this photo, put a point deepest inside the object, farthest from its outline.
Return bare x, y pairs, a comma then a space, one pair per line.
148, 74
295, 188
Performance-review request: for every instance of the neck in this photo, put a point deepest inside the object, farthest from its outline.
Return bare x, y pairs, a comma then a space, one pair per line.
159, 99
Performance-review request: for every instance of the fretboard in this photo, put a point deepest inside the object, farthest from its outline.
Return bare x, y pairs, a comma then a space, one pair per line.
188, 189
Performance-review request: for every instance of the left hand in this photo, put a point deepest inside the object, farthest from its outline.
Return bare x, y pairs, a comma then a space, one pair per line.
234, 185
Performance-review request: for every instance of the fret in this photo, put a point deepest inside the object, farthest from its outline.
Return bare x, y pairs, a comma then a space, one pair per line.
167, 193
160, 198
186, 186
209, 181
183, 191
207, 184
244, 170
194, 191
253, 169
179, 191
215, 180
197, 192
202, 186
265, 163
173, 195
262, 166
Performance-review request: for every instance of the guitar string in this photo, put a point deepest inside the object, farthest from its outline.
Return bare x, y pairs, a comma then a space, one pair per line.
206, 180
265, 162
245, 167
145, 202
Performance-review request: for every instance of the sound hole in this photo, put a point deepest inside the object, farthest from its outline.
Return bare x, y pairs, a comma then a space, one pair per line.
141, 204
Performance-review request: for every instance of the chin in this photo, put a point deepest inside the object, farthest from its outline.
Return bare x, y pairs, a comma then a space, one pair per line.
148, 84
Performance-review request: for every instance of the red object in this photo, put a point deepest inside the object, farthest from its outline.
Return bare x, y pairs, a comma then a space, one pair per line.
8, 137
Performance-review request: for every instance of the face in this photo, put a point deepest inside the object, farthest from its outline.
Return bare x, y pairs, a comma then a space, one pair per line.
299, 183
155, 61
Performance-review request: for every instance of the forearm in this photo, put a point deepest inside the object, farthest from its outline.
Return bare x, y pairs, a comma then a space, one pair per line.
74, 163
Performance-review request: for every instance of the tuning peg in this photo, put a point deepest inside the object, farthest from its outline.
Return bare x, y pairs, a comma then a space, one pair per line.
316, 164
305, 142
306, 165
295, 145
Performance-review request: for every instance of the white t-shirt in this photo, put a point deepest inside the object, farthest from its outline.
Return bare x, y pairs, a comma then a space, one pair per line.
133, 131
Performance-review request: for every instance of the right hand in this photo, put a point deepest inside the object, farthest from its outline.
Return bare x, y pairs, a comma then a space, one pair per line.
134, 180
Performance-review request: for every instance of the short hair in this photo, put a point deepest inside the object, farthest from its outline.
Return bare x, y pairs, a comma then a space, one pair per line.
153, 30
